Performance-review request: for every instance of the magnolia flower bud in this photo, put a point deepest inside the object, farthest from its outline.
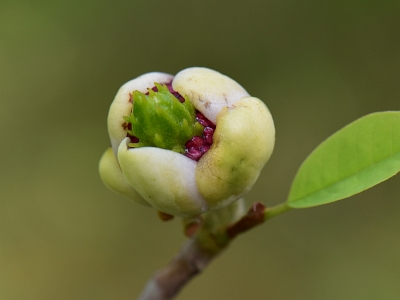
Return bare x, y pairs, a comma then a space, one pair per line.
186, 144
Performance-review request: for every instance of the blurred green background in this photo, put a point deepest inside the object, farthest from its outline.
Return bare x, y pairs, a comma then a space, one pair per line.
318, 65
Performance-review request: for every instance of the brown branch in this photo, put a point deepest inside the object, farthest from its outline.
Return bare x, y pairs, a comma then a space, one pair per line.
196, 254
167, 282
254, 217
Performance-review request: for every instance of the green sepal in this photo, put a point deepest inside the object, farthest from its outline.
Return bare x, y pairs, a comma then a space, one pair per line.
161, 120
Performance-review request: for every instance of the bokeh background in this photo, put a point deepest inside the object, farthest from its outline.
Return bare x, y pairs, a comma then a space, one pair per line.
318, 65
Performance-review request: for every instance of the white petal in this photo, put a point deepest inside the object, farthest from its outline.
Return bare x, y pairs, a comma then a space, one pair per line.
208, 90
111, 175
164, 178
243, 142
122, 105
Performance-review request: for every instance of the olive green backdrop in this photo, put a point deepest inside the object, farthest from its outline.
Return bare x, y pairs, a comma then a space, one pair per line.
318, 65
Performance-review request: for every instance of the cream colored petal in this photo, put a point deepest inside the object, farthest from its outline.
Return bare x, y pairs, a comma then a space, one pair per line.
164, 178
208, 90
243, 142
111, 175
122, 104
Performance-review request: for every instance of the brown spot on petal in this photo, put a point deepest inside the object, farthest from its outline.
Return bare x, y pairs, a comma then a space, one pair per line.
164, 217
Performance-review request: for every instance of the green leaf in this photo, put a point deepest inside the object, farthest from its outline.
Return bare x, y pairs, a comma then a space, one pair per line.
357, 157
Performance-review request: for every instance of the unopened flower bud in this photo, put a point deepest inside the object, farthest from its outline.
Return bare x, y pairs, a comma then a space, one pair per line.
186, 144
